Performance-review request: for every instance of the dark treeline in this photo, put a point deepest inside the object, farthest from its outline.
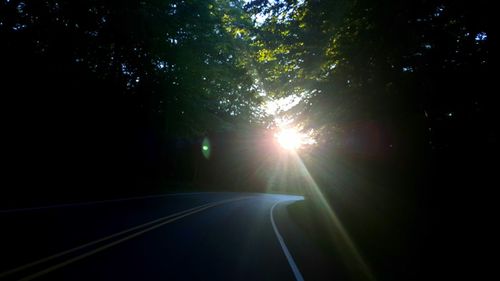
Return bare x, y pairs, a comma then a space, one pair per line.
101, 99
403, 93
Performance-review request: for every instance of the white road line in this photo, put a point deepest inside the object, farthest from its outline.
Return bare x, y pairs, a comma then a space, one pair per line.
291, 262
161, 221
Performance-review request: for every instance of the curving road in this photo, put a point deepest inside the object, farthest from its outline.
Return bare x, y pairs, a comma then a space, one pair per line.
186, 236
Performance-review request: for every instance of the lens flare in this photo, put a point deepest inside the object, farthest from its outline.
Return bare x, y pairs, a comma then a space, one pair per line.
205, 148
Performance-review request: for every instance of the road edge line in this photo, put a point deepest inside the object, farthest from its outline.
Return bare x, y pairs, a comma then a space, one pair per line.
291, 261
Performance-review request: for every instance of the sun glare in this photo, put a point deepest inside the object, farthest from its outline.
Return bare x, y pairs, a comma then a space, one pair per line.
289, 139
292, 139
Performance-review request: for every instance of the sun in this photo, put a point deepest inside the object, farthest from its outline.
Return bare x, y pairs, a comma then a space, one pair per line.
292, 139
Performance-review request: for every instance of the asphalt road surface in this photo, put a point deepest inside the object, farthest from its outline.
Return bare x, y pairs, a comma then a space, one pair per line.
185, 236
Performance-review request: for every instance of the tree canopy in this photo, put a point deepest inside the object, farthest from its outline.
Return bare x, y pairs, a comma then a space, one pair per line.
196, 65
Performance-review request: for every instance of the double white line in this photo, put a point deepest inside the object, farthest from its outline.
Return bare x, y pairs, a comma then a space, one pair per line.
132, 233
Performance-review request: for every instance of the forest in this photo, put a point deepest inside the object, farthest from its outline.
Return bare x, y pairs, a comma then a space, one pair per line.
115, 98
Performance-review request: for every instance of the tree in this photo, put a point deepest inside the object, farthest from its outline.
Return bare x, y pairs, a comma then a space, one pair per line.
115, 83
399, 92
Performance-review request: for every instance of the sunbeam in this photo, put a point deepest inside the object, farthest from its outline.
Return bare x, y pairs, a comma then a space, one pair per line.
290, 171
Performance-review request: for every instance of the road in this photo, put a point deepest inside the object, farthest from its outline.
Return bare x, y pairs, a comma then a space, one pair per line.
186, 236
